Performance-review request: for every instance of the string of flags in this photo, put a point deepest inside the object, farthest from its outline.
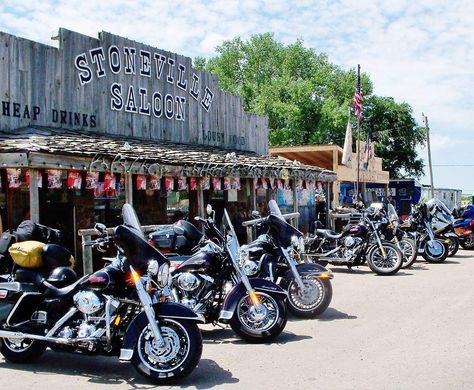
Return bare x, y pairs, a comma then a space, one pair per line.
72, 179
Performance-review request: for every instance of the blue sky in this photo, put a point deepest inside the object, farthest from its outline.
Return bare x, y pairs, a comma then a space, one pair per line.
421, 52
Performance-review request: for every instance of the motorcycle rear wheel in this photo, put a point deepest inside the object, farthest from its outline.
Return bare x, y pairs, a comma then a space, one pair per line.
468, 242
253, 329
453, 246
21, 350
388, 264
314, 301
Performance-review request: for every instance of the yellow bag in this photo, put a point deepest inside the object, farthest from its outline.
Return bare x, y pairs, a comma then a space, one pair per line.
27, 254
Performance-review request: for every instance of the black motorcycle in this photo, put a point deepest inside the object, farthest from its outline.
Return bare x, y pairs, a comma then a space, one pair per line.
356, 244
276, 255
212, 283
118, 310
419, 226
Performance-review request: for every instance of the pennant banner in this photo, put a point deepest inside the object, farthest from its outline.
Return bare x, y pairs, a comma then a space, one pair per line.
279, 184
39, 178
216, 183
205, 183
54, 179
182, 183
169, 183
141, 182
74, 180
155, 183
14, 177
92, 178
192, 184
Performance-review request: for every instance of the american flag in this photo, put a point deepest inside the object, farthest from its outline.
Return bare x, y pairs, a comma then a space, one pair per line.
357, 101
368, 150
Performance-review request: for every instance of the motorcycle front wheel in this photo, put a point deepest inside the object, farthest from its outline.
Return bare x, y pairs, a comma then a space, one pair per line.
173, 361
387, 261
259, 324
313, 300
435, 251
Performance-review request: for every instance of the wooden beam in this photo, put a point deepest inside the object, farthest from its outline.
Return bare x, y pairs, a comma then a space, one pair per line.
34, 195
129, 188
305, 148
13, 160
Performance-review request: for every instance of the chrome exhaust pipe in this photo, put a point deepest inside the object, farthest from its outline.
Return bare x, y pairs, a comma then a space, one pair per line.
56, 340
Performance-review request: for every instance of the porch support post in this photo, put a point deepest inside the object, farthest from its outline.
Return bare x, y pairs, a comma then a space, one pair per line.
34, 195
129, 188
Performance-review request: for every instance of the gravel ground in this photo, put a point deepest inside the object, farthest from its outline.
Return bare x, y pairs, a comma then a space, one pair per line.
409, 331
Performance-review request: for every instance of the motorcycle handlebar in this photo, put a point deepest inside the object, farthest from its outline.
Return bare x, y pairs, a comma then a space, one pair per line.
255, 221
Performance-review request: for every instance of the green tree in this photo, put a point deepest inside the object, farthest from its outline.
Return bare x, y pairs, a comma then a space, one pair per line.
304, 95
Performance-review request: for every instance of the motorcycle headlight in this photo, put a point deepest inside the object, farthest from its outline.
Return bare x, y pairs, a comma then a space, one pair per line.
294, 241
163, 275
153, 267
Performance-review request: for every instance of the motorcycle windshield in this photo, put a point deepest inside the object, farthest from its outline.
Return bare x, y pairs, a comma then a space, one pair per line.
131, 240
273, 207
280, 229
232, 244
130, 218
442, 212
392, 213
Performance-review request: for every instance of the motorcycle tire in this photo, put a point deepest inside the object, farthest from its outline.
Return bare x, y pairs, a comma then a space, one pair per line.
453, 246
409, 251
182, 358
435, 258
15, 353
377, 262
467, 242
242, 319
302, 304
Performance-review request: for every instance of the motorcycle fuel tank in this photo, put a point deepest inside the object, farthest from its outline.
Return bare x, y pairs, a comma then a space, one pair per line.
200, 262
105, 280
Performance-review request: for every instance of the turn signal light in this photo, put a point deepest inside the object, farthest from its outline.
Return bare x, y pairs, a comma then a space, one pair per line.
117, 321
254, 298
135, 276
325, 275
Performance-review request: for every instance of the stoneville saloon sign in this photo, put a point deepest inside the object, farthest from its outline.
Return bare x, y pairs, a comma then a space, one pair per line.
114, 85
98, 62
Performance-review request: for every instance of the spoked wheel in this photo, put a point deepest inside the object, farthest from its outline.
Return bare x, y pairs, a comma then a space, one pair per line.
453, 246
313, 300
468, 242
387, 261
259, 323
409, 251
176, 358
21, 350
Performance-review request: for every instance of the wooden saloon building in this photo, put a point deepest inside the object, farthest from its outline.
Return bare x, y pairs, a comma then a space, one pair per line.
94, 123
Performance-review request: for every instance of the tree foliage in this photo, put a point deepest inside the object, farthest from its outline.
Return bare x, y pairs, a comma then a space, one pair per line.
306, 97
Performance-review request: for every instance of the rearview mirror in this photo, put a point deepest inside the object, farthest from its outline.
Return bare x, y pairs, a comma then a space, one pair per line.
256, 214
100, 227
209, 209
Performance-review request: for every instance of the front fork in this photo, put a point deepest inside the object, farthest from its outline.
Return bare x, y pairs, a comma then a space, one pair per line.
147, 307
294, 271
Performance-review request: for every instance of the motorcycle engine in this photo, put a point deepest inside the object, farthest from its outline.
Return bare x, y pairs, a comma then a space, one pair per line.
349, 242
188, 281
87, 302
193, 290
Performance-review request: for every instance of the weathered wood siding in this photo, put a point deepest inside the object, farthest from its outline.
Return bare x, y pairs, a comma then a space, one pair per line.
37, 75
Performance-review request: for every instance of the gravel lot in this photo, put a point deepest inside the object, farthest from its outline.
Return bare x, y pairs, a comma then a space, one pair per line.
409, 331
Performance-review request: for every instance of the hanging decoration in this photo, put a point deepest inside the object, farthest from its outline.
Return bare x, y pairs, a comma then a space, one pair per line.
272, 183
264, 183
216, 183
286, 184
279, 184
155, 183
192, 183
39, 179
299, 184
110, 182
205, 183
141, 182
310, 185
169, 183
256, 183
236, 183
320, 186
54, 179
182, 183
14, 177
92, 178
74, 180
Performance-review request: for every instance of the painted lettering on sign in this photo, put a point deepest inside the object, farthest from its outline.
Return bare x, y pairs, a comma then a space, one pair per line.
98, 62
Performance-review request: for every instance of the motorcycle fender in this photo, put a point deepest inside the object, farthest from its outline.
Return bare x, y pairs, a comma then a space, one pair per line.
451, 234
162, 310
233, 297
307, 269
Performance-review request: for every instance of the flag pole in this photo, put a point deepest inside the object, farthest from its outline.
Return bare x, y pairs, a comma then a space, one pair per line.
358, 143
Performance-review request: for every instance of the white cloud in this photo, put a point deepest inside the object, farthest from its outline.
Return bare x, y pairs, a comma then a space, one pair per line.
421, 52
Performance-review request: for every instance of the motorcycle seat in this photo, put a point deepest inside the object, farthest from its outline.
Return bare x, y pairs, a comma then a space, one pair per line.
53, 292
24, 275
327, 233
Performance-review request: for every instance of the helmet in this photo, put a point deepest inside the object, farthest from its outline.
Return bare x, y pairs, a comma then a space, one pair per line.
62, 276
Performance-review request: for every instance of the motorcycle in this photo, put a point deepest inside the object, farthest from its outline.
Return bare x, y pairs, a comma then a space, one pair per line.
389, 230
118, 310
276, 255
464, 226
354, 245
212, 283
442, 222
419, 227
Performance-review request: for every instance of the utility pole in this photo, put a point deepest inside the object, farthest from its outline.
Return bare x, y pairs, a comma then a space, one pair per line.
429, 152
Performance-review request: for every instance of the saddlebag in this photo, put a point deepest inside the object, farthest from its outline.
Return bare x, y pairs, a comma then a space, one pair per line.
27, 254
10, 295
